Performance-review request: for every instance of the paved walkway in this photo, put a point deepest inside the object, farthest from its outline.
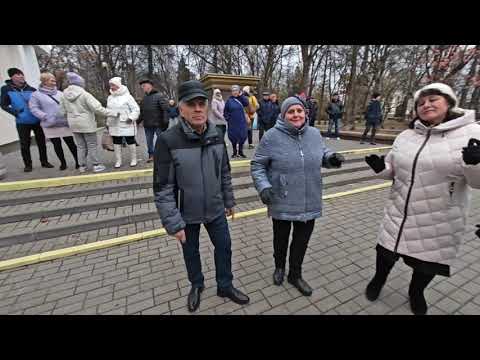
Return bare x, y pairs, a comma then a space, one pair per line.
149, 277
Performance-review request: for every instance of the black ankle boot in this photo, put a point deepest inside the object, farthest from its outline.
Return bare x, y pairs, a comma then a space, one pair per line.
301, 285
374, 287
63, 166
419, 282
278, 276
418, 304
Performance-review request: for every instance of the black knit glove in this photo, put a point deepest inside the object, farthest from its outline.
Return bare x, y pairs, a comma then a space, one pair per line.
471, 153
336, 160
375, 162
266, 196
478, 231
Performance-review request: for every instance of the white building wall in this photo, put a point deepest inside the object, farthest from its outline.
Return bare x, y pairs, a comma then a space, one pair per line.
24, 58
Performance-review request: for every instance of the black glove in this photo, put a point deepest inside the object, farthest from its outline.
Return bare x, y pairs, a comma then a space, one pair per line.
471, 153
266, 196
336, 160
375, 162
478, 231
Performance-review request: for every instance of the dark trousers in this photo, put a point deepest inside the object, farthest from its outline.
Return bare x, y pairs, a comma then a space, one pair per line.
220, 237
302, 231
240, 148
149, 135
57, 146
118, 140
24, 131
369, 126
250, 136
384, 265
331, 123
263, 129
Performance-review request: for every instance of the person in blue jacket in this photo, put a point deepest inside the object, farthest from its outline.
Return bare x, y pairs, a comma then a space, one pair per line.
373, 117
15, 95
234, 114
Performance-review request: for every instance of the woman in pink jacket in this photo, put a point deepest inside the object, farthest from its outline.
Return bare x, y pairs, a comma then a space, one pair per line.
433, 165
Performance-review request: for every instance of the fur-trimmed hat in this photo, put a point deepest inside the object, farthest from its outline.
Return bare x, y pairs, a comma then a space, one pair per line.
444, 89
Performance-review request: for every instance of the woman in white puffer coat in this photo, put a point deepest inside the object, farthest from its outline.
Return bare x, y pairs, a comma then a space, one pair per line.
433, 165
125, 125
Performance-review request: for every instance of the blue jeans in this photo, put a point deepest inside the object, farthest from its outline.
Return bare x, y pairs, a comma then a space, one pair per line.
220, 237
149, 134
332, 122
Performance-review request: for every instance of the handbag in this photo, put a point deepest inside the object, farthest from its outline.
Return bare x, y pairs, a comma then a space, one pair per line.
107, 140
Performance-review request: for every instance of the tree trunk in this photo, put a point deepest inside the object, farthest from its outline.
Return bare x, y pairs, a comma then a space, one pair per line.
351, 89
150, 61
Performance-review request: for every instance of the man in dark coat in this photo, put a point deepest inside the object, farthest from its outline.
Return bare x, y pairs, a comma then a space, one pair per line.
373, 117
265, 115
334, 111
153, 114
192, 185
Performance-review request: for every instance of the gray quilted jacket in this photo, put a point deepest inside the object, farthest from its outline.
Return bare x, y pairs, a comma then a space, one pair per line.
426, 212
289, 160
191, 177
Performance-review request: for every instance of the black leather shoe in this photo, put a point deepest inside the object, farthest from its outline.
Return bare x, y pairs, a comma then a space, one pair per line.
278, 276
301, 286
234, 294
193, 301
28, 168
242, 155
63, 167
373, 289
47, 165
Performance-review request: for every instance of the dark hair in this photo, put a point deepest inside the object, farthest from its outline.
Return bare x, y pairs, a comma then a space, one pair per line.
146, 81
375, 95
334, 94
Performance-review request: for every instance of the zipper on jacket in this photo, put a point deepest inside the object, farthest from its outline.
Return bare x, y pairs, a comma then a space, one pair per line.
451, 189
203, 183
410, 191
303, 168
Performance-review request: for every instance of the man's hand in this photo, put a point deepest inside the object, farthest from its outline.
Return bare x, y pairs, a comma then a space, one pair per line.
375, 162
471, 153
180, 236
336, 160
230, 212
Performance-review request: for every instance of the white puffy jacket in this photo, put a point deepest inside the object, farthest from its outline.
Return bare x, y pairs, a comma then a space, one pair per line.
426, 212
122, 102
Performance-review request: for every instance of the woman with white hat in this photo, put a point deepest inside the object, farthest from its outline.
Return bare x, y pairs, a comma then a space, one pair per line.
125, 125
433, 165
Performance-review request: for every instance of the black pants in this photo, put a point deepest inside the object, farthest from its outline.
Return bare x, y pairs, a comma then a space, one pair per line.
57, 146
263, 129
302, 231
117, 140
239, 147
369, 126
24, 131
384, 264
250, 135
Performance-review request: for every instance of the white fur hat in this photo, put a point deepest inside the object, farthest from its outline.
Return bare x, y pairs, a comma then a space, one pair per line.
246, 89
116, 81
442, 88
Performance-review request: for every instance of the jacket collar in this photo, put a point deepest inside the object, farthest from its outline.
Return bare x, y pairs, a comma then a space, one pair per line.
287, 128
466, 119
207, 136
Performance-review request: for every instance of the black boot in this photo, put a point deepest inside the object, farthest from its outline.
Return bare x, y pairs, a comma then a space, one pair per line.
372, 140
240, 152
47, 165
301, 285
278, 276
63, 166
28, 168
383, 268
419, 282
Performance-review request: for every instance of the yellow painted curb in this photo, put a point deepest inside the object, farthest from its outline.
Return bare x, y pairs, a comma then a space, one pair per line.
79, 249
365, 151
73, 180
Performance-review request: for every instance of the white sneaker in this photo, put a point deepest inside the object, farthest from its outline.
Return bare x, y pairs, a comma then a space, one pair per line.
338, 138
82, 169
117, 165
98, 168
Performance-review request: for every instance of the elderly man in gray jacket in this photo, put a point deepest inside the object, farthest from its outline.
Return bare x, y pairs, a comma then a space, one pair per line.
192, 186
